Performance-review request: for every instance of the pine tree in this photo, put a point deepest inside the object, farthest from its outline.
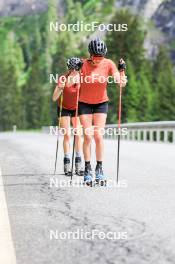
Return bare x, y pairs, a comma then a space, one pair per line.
33, 95
11, 72
131, 96
164, 85
49, 37
126, 44
145, 95
129, 46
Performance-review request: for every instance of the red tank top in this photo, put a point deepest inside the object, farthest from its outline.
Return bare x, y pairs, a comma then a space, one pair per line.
94, 90
69, 95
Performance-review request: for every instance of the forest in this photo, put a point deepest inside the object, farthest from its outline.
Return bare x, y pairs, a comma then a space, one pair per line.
30, 52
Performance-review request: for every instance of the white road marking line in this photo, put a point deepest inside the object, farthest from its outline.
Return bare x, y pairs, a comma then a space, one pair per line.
7, 251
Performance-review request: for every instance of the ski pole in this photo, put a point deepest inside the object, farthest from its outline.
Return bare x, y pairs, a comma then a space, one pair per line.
121, 68
59, 124
76, 117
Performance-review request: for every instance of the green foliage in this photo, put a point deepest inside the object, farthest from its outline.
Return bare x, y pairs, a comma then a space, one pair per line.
29, 52
129, 46
164, 85
149, 93
11, 101
131, 96
126, 44
144, 96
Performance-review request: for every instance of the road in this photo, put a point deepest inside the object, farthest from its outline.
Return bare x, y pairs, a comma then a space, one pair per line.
140, 211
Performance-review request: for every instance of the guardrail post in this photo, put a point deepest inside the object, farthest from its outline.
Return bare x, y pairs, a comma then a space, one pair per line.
144, 135
165, 136
151, 135
158, 135
133, 134
139, 135
128, 134
173, 137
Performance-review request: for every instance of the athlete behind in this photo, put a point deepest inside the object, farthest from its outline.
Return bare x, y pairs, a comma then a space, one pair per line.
69, 104
93, 104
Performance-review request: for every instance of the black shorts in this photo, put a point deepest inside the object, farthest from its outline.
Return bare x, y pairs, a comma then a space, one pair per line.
85, 109
66, 112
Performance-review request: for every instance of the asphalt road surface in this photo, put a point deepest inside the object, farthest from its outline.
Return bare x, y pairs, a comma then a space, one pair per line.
49, 220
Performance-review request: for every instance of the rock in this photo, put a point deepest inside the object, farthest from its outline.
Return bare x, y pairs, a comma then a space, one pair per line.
146, 8
21, 7
162, 15
25, 7
164, 19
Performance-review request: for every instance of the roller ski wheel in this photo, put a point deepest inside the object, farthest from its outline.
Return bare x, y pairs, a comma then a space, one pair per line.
100, 179
69, 174
88, 179
100, 183
79, 173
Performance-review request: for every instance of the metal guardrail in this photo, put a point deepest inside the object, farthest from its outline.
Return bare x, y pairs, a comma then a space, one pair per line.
163, 131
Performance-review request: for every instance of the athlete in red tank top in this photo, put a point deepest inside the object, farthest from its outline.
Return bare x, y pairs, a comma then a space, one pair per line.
93, 104
66, 94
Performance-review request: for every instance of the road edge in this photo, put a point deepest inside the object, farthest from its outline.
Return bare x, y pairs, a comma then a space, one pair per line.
7, 255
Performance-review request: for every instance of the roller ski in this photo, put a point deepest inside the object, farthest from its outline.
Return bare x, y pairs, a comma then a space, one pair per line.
78, 169
100, 179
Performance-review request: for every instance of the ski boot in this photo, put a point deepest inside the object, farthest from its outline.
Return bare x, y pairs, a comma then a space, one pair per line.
66, 166
78, 169
88, 179
100, 179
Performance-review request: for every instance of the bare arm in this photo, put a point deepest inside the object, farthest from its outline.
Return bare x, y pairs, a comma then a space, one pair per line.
72, 78
57, 92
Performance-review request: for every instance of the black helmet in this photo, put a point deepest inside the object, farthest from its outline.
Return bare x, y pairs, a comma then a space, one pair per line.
97, 47
121, 65
74, 63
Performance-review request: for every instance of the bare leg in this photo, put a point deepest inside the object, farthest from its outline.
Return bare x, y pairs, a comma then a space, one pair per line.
99, 124
86, 121
78, 140
65, 123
